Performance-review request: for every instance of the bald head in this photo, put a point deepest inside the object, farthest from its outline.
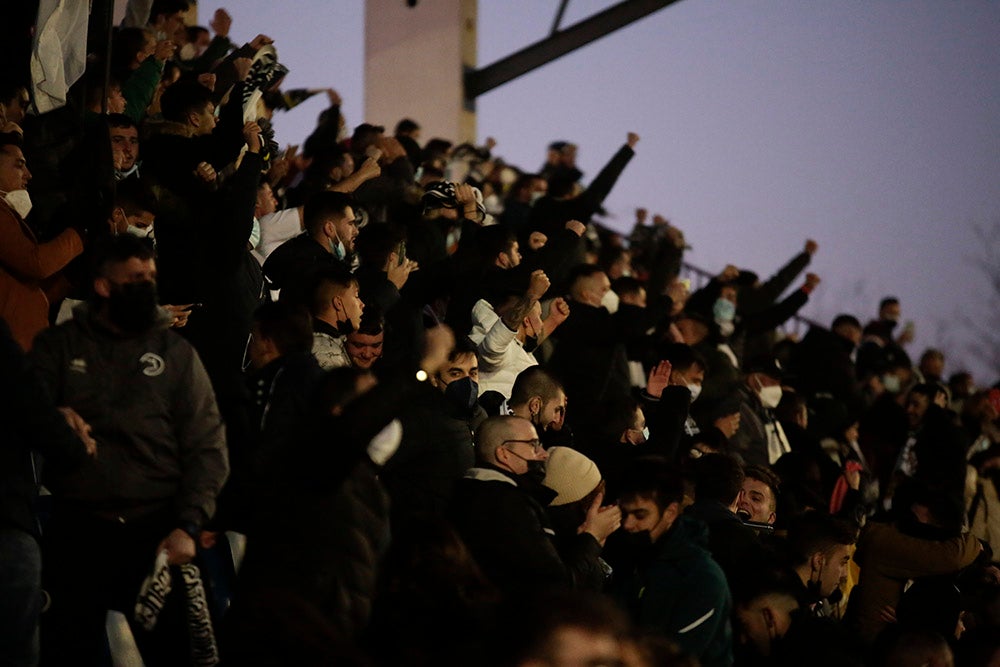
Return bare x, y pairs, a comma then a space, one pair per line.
493, 432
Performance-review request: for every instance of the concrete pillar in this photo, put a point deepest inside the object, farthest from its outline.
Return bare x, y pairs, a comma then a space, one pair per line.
414, 61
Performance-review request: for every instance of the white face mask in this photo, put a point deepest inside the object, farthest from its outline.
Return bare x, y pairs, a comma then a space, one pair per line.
695, 390
891, 383
610, 301
121, 175
770, 396
141, 232
20, 201
535, 196
493, 204
189, 52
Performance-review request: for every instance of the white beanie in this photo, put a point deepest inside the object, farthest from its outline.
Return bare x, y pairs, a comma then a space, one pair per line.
570, 474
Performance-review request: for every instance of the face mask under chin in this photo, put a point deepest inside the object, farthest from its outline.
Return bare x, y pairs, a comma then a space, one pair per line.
535, 474
19, 200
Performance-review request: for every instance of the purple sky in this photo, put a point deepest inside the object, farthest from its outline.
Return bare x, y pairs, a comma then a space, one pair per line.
872, 127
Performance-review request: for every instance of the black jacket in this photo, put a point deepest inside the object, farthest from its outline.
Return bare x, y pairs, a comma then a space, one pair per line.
31, 424
435, 452
279, 407
202, 235
590, 356
323, 524
508, 533
549, 214
729, 541
292, 265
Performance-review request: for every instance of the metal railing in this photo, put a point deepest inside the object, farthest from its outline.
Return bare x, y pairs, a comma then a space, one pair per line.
796, 325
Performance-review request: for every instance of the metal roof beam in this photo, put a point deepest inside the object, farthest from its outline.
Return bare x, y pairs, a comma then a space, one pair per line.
561, 42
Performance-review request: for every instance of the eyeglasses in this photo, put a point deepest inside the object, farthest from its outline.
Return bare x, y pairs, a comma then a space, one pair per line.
534, 443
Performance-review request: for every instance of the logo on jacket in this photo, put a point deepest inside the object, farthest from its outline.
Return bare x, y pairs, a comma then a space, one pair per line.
154, 364
78, 365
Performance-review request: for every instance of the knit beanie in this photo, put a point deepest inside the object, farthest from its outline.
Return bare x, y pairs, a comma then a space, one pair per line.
570, 474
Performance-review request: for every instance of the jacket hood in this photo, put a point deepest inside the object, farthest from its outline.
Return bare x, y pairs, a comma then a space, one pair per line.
687, 531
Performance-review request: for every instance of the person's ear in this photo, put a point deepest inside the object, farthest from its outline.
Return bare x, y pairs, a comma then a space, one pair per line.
667, 519
817, 562
338, 305
502, 457
102, 287
119, 220
534, 405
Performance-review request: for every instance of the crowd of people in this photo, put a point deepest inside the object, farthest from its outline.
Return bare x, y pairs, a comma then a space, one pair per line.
377, 400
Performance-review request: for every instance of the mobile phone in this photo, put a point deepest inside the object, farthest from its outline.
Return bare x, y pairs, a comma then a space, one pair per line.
401, 252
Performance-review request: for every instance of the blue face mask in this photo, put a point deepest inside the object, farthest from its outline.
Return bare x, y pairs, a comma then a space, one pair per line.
254, 239
724, 310
463, 393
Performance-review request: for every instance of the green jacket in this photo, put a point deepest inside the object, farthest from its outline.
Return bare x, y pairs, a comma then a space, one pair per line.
682, 594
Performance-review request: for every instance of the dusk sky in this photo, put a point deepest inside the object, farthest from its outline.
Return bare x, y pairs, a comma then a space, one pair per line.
872, 127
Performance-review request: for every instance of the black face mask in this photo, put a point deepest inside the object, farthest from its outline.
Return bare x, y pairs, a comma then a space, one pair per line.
536, 471
639, 545
133, 307
530, 344
345, 327
463, 393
